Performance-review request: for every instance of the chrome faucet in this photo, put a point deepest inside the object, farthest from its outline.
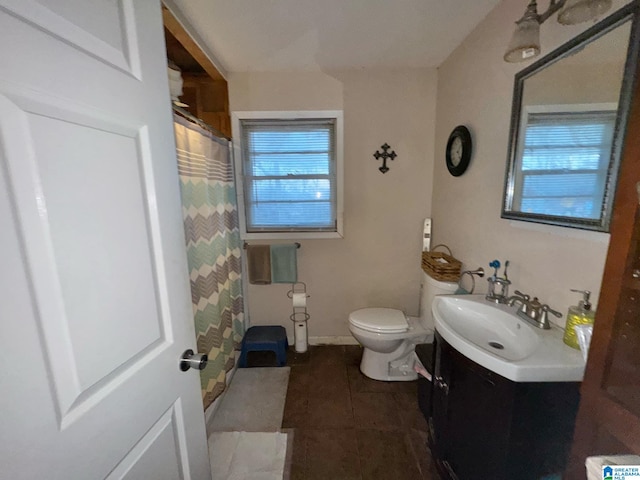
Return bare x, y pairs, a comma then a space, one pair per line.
534, 312
522, 298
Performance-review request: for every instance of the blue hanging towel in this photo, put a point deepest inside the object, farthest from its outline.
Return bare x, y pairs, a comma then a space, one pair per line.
284, 263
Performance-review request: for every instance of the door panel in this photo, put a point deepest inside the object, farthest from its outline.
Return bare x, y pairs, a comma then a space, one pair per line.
148, 458
94, 290
107, 234
105, 31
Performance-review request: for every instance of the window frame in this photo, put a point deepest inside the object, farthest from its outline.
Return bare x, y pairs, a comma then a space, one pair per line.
566, 109
238, 147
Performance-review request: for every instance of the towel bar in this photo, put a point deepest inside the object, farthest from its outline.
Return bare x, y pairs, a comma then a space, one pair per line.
245, 245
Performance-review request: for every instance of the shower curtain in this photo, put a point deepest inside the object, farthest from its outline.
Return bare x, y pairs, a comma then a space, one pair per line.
210, 213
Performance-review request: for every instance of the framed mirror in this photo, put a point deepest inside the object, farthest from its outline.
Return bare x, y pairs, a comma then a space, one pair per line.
568, 121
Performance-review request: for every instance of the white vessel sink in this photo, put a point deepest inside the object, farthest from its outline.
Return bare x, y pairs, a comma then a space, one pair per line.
495, 337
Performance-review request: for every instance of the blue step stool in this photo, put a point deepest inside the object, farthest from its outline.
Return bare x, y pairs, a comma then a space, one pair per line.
265, 338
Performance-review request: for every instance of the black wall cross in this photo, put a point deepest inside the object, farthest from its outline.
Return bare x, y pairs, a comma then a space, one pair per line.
384, 156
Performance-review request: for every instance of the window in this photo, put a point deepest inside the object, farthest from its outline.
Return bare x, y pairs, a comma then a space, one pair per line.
290, 174
565, 161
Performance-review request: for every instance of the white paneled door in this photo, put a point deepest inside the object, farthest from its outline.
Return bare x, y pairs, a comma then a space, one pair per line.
95, 308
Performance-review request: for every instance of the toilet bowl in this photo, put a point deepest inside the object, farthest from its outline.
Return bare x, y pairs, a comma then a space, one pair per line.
387, 355
388, 336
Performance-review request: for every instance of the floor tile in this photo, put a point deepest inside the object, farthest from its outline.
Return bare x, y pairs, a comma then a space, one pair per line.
332, 454
410, 413
422, 454
294, 358
386, 455
376, 411
359, 383
333, 411
327, 355
328, 398
352, 354
299, 379
330, 379
295, 411
408, 387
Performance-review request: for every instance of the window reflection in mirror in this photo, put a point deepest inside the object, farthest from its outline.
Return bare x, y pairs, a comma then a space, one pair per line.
564, 159
567, 128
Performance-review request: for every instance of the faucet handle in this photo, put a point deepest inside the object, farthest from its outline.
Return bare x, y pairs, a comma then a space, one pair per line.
547, 309
544, 317
523, 295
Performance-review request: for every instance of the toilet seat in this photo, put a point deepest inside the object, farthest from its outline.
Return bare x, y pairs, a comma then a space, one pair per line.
380, 320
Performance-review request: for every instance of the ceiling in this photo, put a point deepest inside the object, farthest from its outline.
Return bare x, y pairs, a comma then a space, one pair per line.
290, 35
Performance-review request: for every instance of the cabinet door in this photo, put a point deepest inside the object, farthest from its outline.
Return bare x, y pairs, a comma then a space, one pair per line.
471, 417
480, 406
438, 421
609, 416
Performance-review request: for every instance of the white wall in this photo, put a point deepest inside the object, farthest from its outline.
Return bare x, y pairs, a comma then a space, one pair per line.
475, 89
377, 263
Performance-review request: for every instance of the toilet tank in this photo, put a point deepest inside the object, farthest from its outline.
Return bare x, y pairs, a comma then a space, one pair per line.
429, 288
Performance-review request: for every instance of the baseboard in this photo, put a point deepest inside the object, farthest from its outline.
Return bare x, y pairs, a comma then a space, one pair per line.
211, 410
333, 340
328, 340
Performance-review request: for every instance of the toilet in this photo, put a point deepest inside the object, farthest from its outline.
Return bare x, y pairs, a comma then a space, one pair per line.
388, 336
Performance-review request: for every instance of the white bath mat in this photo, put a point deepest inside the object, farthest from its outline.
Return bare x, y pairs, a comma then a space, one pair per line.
247, 455
254, 401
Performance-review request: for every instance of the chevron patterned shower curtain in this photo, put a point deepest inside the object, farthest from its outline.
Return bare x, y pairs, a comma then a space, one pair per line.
210, 214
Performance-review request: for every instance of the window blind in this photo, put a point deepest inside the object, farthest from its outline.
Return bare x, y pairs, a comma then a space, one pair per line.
289, 174
565, 163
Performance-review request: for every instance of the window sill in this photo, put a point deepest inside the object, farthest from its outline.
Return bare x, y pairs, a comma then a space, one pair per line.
289, 235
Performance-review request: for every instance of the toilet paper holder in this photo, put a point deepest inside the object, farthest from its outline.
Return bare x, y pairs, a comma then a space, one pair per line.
296, 317
298, 287
298, 296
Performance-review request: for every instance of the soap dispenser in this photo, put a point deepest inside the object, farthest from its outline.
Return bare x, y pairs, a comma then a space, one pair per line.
580, 314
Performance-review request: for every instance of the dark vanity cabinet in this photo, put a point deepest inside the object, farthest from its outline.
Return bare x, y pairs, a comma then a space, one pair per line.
484, 426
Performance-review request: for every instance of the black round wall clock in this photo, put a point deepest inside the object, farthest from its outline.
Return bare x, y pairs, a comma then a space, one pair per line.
459, 150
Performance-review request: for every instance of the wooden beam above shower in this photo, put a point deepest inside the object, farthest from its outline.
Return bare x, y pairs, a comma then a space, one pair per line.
205, 88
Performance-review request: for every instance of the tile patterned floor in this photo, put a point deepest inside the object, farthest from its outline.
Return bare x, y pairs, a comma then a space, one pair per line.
347, 426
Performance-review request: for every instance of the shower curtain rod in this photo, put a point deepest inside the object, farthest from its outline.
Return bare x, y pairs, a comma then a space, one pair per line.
187, 115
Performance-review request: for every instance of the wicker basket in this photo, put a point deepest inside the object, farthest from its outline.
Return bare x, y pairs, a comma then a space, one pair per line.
441, 266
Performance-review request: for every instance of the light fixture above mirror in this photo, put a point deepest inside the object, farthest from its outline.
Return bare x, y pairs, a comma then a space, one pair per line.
525, 42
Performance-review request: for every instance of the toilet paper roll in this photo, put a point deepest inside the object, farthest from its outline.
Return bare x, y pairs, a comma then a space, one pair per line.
300, 334
299, 299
